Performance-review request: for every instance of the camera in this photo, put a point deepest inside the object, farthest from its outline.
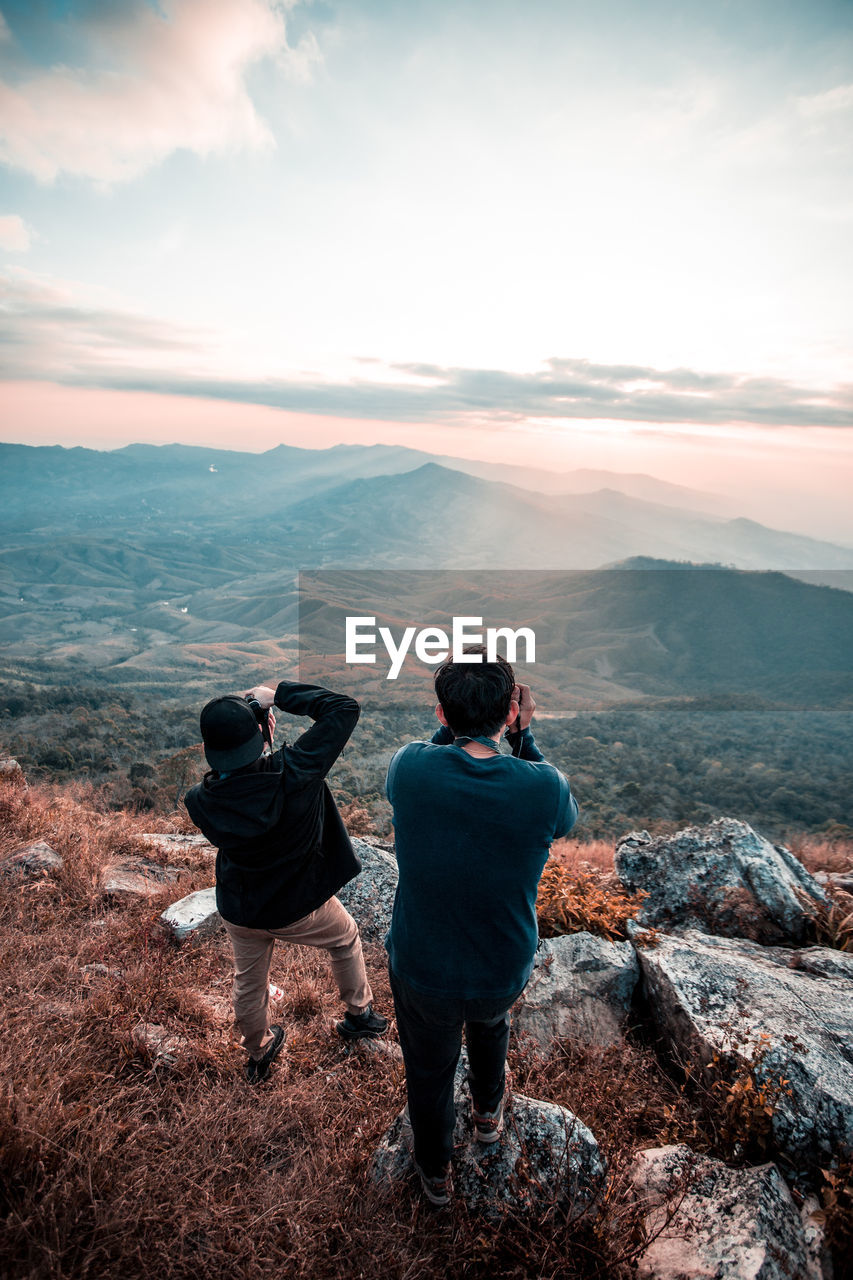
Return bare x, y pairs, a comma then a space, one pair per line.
262, 716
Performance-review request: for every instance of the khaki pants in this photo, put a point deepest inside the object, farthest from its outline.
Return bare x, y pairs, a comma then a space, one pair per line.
330, 927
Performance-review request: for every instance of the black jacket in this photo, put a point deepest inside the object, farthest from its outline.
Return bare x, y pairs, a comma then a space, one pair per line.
283, 847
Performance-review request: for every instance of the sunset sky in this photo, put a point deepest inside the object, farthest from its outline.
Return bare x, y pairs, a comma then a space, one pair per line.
614, 234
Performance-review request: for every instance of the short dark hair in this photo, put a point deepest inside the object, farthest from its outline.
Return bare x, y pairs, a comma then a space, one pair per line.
475, 696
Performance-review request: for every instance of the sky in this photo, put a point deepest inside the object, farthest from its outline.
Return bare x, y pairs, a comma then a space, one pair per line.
562, 233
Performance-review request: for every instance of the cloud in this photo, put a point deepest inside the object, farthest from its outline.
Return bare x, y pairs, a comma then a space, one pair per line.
160, 78
46, 335
833, 102
15, 235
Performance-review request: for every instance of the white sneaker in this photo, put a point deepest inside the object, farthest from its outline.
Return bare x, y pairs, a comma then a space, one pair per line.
488, 1125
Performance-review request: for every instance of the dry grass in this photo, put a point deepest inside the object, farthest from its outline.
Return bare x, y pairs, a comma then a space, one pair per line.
574, 854
113, 1164
820, 853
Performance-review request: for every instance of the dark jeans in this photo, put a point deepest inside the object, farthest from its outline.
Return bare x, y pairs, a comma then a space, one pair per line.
430, 1030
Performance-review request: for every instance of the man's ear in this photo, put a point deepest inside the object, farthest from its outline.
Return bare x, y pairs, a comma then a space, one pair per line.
513, 713
439, 711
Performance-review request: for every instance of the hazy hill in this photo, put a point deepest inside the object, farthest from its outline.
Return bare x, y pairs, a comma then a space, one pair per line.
352, 502
50, 487
434, 516
644, 629
204, 580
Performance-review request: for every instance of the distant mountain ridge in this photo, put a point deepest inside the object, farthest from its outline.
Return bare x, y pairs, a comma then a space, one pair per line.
434, 516
146, 561
145, 482
634, 630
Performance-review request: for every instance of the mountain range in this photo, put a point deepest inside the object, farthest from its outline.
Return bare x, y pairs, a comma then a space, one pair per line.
45, 486
154, 564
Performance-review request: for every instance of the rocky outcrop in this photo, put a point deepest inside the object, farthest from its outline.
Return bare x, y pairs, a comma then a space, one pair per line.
842, 880
194, 916
137, 878
11, 771
707, 1220
720, 995
176, 844
581, 987
30, 860
723, 878
546, 1157
369, 898
162, 1047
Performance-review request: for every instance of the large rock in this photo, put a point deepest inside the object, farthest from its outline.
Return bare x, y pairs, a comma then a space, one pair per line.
842, 880
29, 860
720, 995
162, 1047
194, 916
546, 1158
723, 878
581, 987
137, 878
369, 898
170, 843
717, 1223
11, 771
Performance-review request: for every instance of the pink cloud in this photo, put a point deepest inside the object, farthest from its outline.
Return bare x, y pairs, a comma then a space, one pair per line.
15, 235
163, 80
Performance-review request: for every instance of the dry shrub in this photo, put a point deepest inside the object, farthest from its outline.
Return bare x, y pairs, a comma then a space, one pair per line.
628, 1101
822, 853
573, 854
837, 1198
733, 1099
357, 820
832, 922
584, 898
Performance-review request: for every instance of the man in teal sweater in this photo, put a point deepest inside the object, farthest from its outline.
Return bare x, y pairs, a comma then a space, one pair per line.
473, 830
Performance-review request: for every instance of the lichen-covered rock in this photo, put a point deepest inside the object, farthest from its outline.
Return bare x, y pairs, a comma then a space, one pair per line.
11, 771
720, 995
819, 1254
163, 1047
842, 880
175, 844
722, 878
30, 860
545, 1158
369, 898
98, 970
581, 987
137, 878
717, 1223
194, 916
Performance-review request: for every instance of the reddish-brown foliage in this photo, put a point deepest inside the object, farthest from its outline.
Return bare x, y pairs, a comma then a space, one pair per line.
582, 897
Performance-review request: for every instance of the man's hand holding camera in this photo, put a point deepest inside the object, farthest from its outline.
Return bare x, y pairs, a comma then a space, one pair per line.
261, 694
526, 706
261, 700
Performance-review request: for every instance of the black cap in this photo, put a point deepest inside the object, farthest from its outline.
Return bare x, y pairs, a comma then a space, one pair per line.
232, 736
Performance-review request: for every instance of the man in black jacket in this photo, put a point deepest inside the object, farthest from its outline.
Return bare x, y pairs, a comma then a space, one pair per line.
283, 853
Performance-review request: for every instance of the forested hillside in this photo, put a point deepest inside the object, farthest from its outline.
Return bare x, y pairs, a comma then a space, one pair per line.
658, 766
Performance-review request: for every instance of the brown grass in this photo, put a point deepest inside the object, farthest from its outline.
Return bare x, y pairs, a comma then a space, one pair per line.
573, 854
113, 1164
820, 853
